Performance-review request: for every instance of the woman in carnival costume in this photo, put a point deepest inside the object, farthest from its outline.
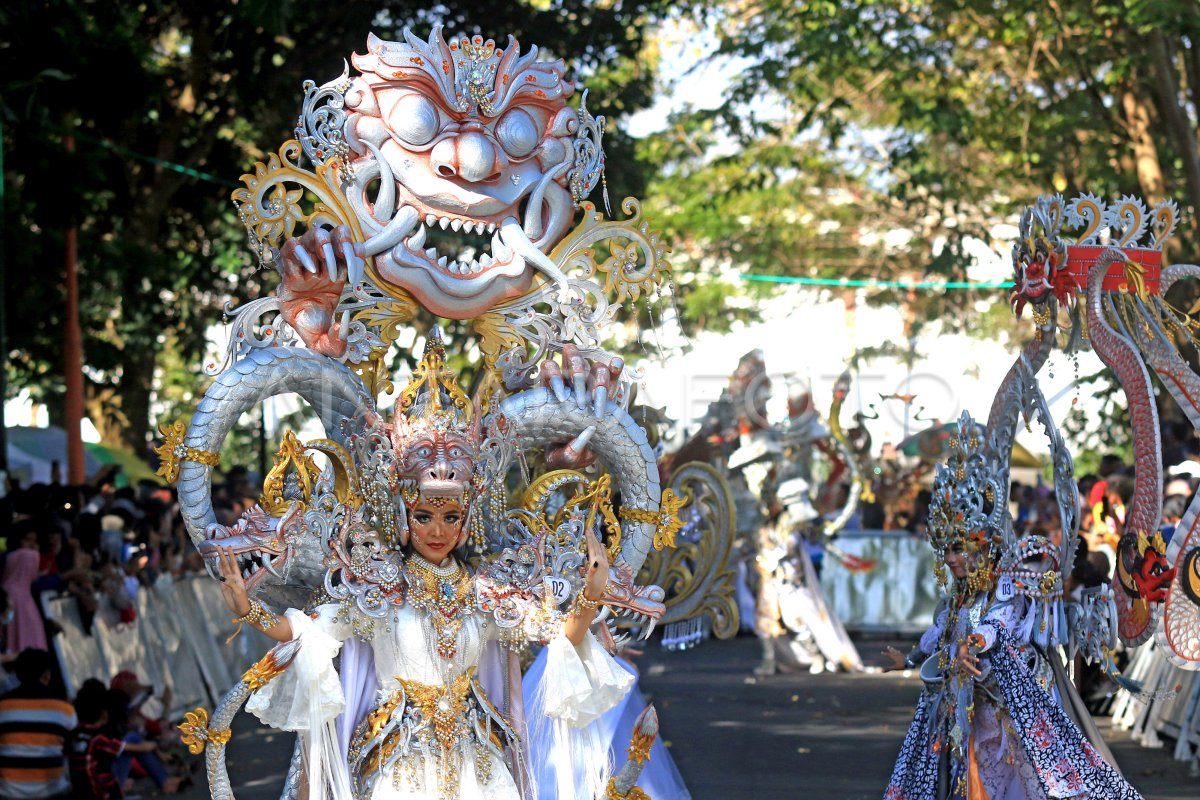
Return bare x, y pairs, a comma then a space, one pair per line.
405, 714
987, 724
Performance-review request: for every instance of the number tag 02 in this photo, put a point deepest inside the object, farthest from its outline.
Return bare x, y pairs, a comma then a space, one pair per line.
558, 588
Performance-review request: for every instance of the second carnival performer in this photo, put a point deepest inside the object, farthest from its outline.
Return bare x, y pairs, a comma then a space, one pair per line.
423, 657
988, 724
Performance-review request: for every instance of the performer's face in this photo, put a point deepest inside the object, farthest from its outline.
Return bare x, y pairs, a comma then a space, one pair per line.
956, 560
435, 530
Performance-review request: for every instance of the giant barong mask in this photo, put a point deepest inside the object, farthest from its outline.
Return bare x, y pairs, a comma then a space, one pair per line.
472, 138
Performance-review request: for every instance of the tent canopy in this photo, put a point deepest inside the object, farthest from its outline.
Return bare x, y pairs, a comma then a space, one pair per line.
932, 445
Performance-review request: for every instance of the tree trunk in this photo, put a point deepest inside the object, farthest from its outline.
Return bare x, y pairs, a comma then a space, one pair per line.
1178, 124
1145, 154
137, 382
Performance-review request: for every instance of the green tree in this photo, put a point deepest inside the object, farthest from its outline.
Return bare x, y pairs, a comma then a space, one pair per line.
168, 103
938, 116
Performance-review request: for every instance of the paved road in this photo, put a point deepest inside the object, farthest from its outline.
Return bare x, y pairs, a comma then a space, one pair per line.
734, 737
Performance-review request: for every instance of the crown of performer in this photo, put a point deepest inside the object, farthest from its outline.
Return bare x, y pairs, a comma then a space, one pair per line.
965, 508
1059, 242
435, 433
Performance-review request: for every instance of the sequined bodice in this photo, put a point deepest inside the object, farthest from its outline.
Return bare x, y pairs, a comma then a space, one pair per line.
405, 646
406, 643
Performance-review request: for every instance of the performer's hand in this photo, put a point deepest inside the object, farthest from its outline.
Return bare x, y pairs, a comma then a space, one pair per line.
597, 568
233, 588
966, 662
895, 660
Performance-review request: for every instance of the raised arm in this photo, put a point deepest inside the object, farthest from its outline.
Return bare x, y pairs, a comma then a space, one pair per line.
576, 627
248, 610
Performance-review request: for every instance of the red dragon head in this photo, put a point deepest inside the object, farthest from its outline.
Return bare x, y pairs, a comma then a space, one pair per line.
1142, 567
1039, 255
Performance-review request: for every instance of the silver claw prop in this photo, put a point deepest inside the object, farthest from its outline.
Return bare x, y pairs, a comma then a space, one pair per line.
601, 397
306, 259
579, 443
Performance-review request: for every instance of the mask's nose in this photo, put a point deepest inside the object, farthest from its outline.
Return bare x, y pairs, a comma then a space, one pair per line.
470, 156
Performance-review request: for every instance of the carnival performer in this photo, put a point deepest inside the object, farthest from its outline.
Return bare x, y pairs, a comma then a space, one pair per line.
987, 724
405, 715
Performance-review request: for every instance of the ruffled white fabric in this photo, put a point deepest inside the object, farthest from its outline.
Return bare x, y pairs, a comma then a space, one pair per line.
286, 703
579, 685
307, 698
581, 682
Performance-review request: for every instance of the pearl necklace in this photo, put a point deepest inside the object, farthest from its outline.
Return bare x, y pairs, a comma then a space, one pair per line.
446, 594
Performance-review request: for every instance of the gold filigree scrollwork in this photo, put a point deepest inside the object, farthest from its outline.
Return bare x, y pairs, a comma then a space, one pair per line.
290, 456
270, 204
345, 475
596, 495
696, 574
388, 316
496, 335
432, 373
196, 735
637, 257
374, 373
173, 452
666, 518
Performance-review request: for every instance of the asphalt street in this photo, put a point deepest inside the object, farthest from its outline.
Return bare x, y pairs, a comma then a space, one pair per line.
737, 737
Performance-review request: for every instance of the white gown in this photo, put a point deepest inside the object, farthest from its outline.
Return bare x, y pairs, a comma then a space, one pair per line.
582, 683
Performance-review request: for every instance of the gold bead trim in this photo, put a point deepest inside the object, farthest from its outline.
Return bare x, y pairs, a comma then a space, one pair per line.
173, 452
666, 519
197, 735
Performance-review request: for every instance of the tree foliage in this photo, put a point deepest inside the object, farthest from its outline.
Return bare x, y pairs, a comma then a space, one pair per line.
941, 117
167, 104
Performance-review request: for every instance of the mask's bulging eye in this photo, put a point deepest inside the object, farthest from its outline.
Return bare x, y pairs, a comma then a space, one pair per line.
415, 120
518, 133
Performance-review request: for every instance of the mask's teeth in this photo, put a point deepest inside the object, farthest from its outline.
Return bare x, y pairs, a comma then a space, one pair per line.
417, 240
455, 225
430, 220
442, 262
444, 222
491, 227
431, 253
500, 251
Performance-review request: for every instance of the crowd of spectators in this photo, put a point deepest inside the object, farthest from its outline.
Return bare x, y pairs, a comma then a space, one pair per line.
99, 544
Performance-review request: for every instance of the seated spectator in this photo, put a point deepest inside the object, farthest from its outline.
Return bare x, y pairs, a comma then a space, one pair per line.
1173, 510
139, 750
112, 537
91, 751
34, 725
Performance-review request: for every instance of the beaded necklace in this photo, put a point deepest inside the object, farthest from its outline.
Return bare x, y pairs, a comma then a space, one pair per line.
446, 594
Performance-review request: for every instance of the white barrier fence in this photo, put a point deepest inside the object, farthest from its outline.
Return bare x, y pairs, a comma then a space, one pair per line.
897, 596
1170, 706
176, 641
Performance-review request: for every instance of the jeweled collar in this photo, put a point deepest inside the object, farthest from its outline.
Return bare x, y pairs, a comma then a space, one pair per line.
448, 568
